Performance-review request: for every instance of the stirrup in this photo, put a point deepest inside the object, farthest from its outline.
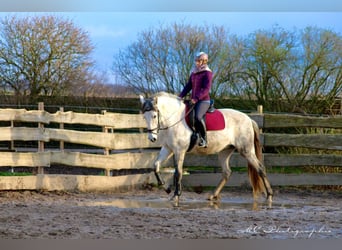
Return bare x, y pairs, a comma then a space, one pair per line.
202, 143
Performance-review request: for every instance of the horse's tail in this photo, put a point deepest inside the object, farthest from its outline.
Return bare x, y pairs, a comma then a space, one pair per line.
255, 179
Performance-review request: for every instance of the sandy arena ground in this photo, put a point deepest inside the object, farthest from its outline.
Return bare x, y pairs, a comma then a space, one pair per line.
148, 214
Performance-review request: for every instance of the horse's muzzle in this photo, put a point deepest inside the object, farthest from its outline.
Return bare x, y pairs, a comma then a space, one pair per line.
152, 137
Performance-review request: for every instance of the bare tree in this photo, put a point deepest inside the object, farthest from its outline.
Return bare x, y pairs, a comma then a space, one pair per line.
318, 69
42, 56
283, 70
265, 66
288, 71
162, 59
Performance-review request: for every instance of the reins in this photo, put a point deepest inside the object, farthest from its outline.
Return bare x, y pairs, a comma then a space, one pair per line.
158, 128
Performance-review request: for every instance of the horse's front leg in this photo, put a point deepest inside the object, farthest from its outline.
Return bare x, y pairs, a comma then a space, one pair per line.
179, 157
164, 154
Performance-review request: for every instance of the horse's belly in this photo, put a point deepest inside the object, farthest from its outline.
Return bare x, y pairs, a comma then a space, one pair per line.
217, 141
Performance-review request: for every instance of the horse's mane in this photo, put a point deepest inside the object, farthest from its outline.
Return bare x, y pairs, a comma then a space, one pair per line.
166, 99
162, 93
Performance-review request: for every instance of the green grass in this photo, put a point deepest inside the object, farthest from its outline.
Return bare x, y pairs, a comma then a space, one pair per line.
15, 174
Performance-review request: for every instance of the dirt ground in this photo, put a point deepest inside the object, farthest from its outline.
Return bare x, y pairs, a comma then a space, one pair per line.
148, 214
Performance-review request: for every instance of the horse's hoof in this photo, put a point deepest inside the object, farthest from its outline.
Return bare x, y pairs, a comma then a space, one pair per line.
213, 198
175, 200
269, 201
168, 190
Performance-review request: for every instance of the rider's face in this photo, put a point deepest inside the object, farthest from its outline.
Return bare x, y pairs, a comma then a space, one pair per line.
199, 63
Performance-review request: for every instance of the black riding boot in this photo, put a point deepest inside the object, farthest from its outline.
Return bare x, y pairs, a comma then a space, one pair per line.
201, 129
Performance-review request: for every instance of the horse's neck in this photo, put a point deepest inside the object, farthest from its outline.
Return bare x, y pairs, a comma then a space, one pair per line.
172, 112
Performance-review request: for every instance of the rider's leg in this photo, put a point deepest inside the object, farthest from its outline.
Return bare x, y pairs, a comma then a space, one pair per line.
200, 109
201, 129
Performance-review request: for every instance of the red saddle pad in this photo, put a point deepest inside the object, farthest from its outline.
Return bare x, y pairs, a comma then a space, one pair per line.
214, 120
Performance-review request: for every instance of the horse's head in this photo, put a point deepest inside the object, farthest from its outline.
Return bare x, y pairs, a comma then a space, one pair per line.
151, 117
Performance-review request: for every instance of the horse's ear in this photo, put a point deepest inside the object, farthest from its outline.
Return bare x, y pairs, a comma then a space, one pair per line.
142, 99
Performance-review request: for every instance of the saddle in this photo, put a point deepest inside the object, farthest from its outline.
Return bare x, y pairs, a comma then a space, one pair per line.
214, 120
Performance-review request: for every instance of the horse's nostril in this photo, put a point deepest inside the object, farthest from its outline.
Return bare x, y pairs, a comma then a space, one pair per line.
153, 140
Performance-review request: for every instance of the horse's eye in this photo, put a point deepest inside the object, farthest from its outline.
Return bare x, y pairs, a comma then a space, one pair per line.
155, 116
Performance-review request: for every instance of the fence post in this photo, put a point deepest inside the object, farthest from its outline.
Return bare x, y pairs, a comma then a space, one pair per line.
106, 150
260, 111
11, 146
40, 169
61, 126
141, 131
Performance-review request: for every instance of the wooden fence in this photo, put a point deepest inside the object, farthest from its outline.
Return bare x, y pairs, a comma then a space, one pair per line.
119, 143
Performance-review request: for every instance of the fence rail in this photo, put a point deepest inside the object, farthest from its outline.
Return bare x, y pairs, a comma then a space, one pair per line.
122, 149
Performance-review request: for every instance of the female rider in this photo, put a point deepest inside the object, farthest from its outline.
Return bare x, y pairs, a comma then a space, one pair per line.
199, 84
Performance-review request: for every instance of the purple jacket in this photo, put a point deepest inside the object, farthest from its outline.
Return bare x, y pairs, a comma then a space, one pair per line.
200, 84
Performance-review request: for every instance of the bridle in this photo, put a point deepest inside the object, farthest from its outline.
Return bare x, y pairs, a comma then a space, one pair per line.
148, 106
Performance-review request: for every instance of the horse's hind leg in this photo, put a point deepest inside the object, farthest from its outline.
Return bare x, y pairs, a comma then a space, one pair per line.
258, 169
224, 158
